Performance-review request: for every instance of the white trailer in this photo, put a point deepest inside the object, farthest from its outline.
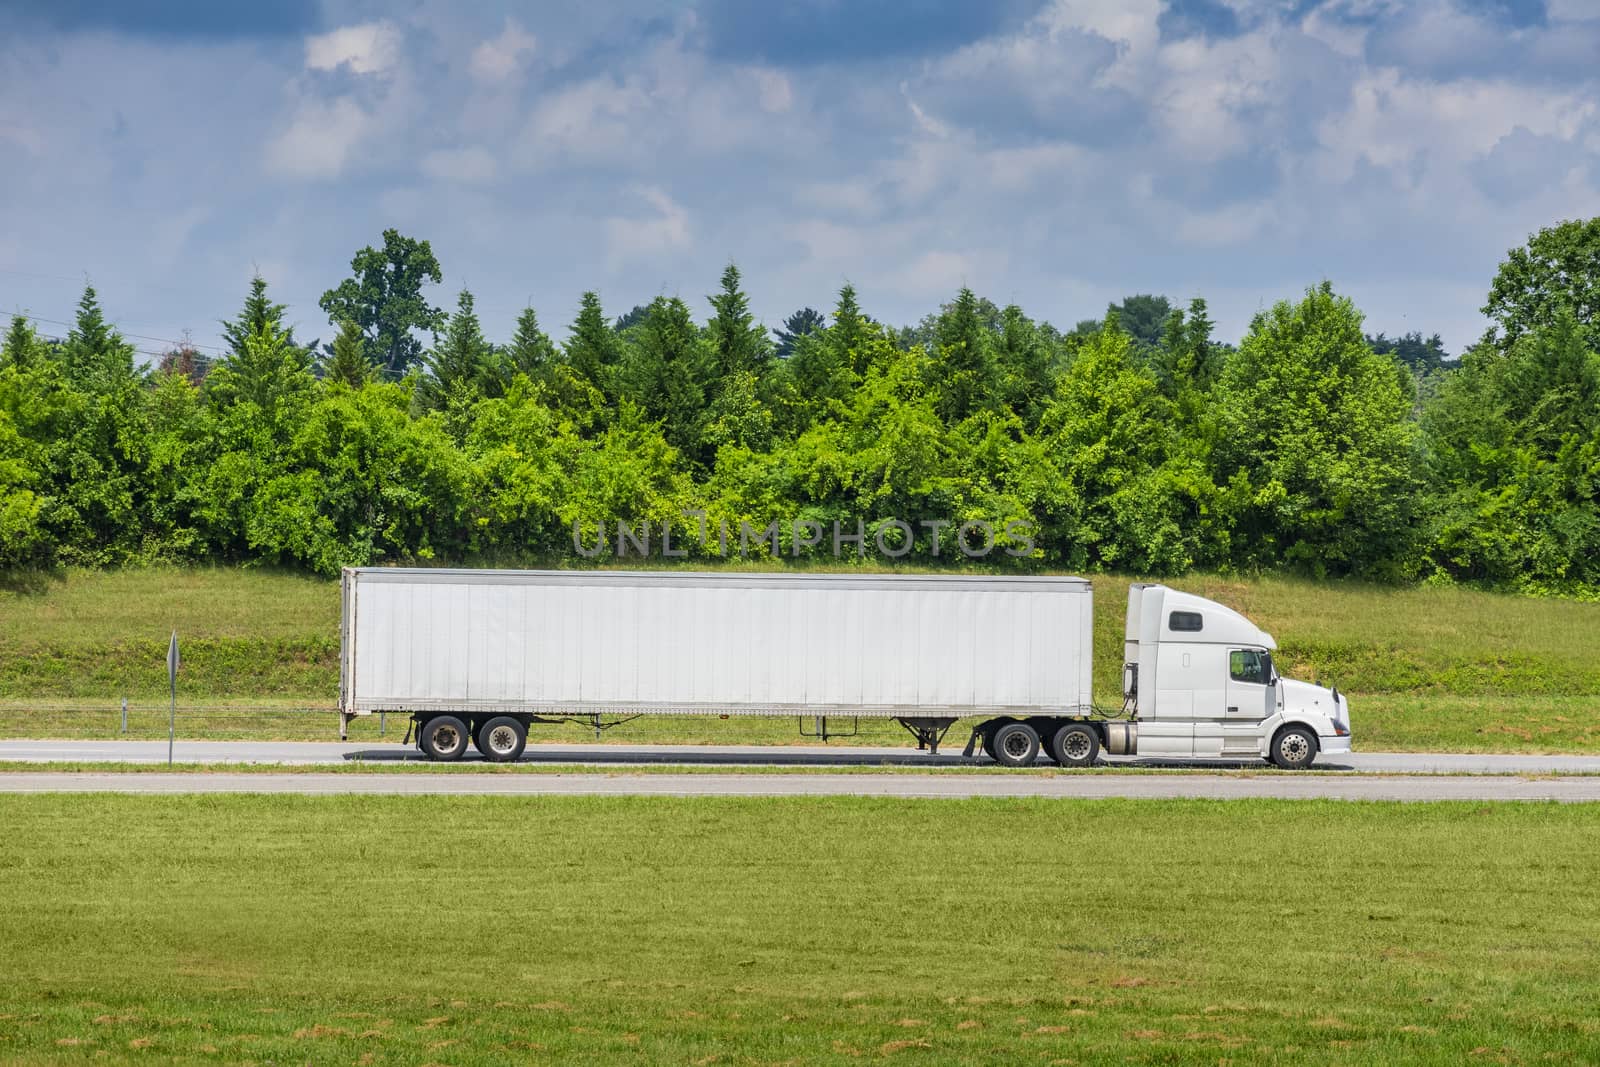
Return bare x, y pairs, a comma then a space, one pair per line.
476, 657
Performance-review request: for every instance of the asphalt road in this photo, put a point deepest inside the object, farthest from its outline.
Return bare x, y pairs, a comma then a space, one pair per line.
1208, 786
333, 752
1369, 776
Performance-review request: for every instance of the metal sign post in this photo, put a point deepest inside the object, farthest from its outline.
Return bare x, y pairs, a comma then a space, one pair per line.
172, 681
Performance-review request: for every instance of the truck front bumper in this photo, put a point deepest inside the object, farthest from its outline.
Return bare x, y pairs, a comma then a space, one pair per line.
1333, 744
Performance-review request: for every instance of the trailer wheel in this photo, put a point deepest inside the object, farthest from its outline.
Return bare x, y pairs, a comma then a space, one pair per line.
986, 739
1016, 744
1294, 748
1075, 745
444, 737
502, 739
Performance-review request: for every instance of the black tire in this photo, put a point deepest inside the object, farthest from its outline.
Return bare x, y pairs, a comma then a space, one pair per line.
502, 739
1076, 744
986, 740
1293, 748
1016, 744
444, 737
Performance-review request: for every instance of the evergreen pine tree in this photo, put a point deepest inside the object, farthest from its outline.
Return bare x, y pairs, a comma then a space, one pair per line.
95, 354
22, 348
849, 333
805, 321
258, 313
962, 370
459, 360
1024, 357
531, 351
592, 349
737, 343
667, 372
347, 362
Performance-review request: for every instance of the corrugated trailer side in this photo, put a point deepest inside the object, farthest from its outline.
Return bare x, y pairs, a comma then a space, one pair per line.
587, 645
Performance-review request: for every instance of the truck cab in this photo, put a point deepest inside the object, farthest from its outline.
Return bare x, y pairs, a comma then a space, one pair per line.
1200, 681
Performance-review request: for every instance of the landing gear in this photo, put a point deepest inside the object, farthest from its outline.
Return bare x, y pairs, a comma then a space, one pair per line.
928, 732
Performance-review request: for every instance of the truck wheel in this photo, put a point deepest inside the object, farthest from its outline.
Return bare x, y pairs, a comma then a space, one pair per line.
1016, 744
1075, 745
987, 738
502, 739
1294, 748
444, 737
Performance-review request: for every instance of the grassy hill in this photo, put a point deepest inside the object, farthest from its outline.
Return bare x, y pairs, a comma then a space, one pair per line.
1443, 668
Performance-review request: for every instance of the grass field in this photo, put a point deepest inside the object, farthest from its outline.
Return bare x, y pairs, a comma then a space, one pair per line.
1427, 668
476, 930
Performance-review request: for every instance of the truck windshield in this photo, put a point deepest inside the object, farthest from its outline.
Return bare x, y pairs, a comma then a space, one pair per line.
1250, 665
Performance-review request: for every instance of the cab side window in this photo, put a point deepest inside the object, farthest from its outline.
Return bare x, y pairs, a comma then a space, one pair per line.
1248, 665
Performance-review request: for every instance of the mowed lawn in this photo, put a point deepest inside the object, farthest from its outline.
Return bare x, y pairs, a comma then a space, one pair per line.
1427, 668
699, 931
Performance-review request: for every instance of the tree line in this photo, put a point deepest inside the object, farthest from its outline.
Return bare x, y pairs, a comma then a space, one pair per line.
1137, 442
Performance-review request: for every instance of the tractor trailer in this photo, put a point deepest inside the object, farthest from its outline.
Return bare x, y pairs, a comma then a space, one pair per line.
478, 657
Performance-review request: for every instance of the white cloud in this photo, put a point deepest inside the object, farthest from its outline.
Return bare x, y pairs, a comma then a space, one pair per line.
319, 139
472, 164
499, 58
1233, 224
773, 91
591, 119
366, 48
643, 239
1572, 10
1393, 121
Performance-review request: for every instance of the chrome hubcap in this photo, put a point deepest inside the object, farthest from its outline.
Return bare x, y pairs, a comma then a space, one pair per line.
1294, 748
502, 739
1076, 745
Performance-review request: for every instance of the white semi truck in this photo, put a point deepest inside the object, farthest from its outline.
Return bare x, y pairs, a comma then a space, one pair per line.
476, 657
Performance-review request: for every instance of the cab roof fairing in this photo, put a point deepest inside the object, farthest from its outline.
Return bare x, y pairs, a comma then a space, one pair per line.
1222, 625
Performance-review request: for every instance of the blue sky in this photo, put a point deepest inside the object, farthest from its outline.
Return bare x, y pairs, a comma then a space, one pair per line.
1057, 154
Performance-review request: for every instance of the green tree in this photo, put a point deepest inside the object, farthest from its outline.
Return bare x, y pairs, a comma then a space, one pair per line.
592, 349
633, 318
1558, 268
266, 368
1416, 352
667, 370
259, 310
384, 298
1319, 459
531, 351
1106, 434
1025, 362
963, 373
1143, 317
347, 362
822, 370
738, 344
805, 321
1187, 359
1514, 443
95, 356
22, 347
457, 365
